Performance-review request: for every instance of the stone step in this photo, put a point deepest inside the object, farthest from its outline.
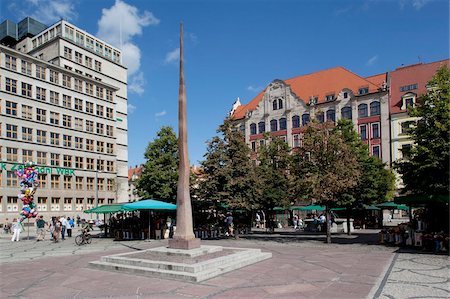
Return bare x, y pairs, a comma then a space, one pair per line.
173, 266
210, 270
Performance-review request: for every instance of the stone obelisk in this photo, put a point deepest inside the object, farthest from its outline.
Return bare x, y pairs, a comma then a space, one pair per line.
184, 237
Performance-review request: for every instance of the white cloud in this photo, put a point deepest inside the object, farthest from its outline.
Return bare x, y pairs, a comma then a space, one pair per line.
46, 11
342, 10
118, 25
418, 4
372, 60
137, 83
131, 108
162, 113
172, 56
254, 89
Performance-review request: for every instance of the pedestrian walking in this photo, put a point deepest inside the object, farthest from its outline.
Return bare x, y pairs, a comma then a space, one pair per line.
16, 228
71, 225
64, 225
7, 226
57, 231
40, 228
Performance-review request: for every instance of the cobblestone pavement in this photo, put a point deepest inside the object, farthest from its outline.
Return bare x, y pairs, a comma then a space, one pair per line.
298, 269
417, 276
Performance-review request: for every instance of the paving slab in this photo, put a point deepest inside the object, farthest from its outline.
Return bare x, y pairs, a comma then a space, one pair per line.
298, 269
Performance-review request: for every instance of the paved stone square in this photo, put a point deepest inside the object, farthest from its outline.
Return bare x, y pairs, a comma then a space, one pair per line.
298, 269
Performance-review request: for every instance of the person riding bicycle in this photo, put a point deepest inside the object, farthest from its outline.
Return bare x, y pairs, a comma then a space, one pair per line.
86, 228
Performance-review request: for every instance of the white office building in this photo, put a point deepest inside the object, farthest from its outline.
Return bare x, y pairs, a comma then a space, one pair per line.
63, 105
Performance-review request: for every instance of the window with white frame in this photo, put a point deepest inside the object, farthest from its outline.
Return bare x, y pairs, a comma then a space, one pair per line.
363, 132
375, 130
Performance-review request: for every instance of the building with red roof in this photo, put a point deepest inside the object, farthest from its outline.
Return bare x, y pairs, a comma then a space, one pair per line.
284, 107
406, 84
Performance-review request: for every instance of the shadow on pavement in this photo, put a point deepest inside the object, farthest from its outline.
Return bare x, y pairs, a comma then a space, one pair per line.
364, 238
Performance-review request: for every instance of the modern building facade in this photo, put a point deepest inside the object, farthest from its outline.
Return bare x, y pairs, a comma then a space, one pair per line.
63, 105
285, 107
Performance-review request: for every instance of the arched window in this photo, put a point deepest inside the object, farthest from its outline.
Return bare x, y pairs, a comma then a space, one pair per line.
346, 112
295, 121
280, 103
331, 115
320, 116
305, 119
274, 105
273, 125
252, 129
261, 127
375, 108
282, 123
242, 128
362, 110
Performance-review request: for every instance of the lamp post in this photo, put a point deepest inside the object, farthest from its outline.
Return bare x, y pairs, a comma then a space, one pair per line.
96, 188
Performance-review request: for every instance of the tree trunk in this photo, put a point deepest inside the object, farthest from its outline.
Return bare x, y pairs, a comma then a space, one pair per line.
328, 217
348, 221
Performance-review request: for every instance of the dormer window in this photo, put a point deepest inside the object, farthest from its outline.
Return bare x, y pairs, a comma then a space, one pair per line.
280, 103
313, 100
408, 100
329, 97
345, 95
363, 90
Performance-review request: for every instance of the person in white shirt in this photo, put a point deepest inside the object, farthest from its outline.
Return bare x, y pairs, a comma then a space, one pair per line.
64, 224
16, 227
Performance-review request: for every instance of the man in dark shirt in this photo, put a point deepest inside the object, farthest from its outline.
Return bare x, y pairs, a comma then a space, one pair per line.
40, 231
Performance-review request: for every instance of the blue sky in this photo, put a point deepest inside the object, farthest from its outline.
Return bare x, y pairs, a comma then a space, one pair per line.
235, 48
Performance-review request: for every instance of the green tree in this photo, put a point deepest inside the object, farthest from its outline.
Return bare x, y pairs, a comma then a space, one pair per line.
376, 183
160, 175
228, 172
325, 167
427, 170
272, 175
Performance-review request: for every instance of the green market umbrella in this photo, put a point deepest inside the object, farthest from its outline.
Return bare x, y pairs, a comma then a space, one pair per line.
390, 205
105, 209
311, 208
149, 204
372, 208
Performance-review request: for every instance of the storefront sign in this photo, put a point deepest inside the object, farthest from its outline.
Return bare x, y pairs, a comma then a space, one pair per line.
40, 169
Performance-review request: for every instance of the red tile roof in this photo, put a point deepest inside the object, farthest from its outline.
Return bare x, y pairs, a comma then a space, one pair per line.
135, 171
378, 80
418, 74
318, 84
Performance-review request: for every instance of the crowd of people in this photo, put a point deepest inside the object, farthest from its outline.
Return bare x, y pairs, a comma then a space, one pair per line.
58, 227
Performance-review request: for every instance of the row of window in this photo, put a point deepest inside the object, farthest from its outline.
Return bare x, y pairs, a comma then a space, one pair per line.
12, 200
374, 131
297, 141
79, 38
346, 112
57, 119
53, 159
58, 139
54, 77
56, 181
79, 59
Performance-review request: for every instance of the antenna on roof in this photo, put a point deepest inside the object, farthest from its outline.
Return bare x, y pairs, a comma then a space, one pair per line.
420, 60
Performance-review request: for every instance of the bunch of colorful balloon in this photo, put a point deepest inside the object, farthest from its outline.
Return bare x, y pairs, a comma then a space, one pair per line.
28, 176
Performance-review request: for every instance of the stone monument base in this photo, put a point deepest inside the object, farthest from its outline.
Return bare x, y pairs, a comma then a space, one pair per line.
184, 244
192, 265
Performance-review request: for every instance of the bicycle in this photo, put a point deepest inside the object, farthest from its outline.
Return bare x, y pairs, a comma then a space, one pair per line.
83, 238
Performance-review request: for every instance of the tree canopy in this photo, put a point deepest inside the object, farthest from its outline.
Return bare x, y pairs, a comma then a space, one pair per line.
427, 169
159, 178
